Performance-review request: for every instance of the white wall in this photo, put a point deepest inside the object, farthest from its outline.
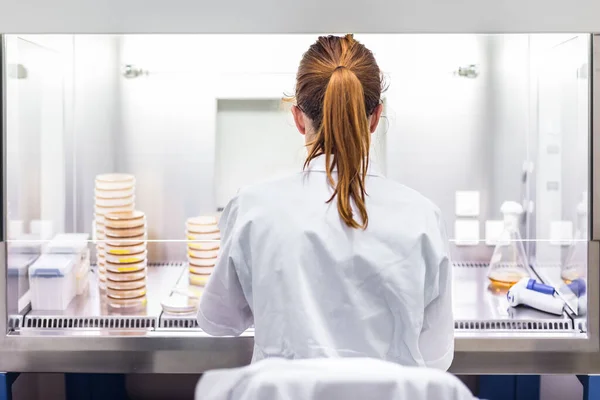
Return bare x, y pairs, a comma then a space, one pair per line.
438, 133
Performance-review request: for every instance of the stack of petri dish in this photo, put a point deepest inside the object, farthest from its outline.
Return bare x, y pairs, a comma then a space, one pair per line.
113, 193
203, 247
126, 258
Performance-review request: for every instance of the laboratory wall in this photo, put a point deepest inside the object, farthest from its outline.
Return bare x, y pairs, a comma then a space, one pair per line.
205, 79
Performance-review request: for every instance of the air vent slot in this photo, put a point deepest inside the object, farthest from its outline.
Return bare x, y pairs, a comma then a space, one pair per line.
113, 322
508, 325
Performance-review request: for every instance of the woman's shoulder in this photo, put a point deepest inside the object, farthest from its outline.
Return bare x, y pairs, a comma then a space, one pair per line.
403, 195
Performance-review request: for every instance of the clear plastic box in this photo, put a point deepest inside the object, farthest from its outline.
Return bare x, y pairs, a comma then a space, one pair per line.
53, 281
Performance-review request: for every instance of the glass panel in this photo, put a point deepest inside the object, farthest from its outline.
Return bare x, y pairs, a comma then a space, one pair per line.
35, 158
563, 177
477, 123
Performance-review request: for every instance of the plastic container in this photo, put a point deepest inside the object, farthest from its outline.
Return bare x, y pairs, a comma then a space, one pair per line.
509, 261
114, 181
133, 267
114, 194
124, 232
125, 285
125, 294
135, 303
198, 280
26, 244
68, 243
53, 281
126, 276
18, 264
201, 270
203, 254
126, 258
134, 248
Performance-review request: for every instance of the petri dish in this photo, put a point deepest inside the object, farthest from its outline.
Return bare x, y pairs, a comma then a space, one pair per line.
191, 229
125, 294
137, 302
203, 254
133, 267
200, 270
126, 276
201, 220
198, 280
124, 232
134, 248
204, 245
179, 304
99, 210
125, 258
125, 219
125, 285
202, 262
115, 202
204, 236
114, 181
116, 242
114, 194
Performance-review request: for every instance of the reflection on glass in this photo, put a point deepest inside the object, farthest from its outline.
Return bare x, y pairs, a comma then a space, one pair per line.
184, 136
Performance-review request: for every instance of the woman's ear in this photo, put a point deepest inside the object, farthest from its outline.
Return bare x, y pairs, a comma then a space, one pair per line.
375, 117
299, 119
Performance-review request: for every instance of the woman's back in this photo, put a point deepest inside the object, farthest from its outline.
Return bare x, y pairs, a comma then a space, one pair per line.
316, 288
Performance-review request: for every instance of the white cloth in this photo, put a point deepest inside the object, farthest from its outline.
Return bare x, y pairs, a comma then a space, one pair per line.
315, 288
326, 379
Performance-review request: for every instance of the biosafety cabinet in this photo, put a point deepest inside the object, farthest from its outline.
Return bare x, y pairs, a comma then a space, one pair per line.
173, 125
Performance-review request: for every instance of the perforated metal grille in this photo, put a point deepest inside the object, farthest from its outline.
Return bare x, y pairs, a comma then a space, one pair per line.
178, 264
179, 323
513, 325
470, 264
113, 322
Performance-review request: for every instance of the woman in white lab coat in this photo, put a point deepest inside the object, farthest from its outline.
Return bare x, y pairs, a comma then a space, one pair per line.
336, 260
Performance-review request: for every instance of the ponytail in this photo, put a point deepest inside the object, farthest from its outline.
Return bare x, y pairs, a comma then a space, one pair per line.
339, 86
344, 138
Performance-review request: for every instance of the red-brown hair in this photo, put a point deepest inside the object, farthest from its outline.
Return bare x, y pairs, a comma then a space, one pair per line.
338, 86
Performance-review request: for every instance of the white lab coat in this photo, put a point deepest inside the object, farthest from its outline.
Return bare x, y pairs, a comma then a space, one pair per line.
326, 379
313, 287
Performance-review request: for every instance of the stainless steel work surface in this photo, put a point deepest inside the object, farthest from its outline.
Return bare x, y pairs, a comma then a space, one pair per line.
478, 305
83, 309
